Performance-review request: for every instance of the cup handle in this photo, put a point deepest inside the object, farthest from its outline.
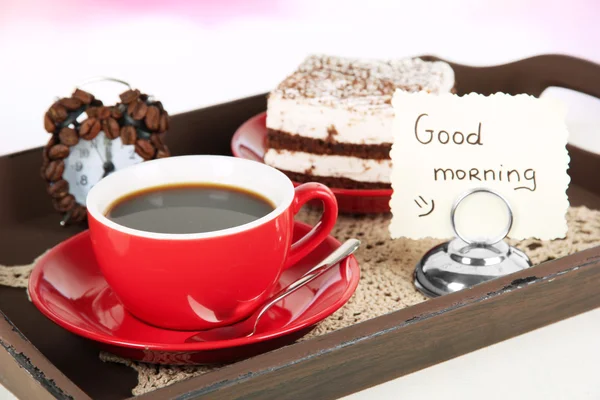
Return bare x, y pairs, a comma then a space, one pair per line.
303, 194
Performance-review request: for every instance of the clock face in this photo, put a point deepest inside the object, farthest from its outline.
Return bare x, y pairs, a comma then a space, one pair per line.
91, 160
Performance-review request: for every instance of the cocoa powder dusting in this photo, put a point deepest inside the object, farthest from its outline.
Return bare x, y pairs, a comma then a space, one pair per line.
360, 84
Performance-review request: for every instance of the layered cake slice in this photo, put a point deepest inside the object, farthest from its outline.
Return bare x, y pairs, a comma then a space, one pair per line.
331, 120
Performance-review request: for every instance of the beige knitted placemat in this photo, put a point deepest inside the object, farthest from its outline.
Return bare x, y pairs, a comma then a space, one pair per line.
385, 283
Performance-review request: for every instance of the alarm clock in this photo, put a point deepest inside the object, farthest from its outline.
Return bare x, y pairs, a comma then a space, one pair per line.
90, 141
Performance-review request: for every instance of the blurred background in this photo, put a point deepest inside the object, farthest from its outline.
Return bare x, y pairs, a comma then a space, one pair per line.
192, 53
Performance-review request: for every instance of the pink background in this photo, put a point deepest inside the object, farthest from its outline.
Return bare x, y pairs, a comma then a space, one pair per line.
194, 53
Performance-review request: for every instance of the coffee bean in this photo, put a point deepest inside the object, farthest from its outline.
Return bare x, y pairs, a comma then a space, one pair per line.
111, 128
68, 136
78, 214
116, 113
164, 122
58, 113
152, 118
46, 149
158, 105
103, 112
84, 97
144, 149
156, 140
131, 107
70, 103
54, 170
128, 135
129, 96
163, 153
64, 204
92, 112
58, 189
90, 128
48, 123
58, 152
162, 149
139, 111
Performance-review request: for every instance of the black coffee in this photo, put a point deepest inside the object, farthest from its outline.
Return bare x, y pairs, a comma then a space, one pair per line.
188, 208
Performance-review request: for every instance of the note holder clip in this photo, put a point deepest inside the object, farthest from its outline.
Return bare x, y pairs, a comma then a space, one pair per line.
461, 262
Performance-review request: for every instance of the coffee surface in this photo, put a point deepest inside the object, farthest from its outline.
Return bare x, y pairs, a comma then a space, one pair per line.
188, 208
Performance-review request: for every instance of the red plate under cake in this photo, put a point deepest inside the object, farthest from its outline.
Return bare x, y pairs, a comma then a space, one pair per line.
249, 142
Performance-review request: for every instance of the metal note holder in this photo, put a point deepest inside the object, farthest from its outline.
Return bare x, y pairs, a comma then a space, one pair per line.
461, 262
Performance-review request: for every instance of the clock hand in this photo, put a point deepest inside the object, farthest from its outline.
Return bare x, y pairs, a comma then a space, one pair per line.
107, 145
95, 146
108, 164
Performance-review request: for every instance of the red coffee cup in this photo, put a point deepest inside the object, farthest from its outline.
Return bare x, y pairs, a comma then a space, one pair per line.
203, 280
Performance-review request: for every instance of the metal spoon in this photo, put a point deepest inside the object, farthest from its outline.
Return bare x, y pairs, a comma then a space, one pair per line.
248, 326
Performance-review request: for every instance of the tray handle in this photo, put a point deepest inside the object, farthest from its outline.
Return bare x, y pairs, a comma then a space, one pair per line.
542, 72
530, 75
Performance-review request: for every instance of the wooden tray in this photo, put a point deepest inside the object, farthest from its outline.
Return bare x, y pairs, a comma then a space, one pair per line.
40, 360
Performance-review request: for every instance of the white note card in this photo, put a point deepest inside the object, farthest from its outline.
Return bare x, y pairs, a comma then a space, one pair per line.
447, 144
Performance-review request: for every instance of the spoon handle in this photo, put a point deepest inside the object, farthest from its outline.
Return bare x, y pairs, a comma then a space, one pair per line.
347, 248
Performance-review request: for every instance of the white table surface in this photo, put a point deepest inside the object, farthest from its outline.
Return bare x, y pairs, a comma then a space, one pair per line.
192, 54
557, 362
5, 394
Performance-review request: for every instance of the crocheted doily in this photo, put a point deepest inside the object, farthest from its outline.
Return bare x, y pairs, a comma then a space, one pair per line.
385, 283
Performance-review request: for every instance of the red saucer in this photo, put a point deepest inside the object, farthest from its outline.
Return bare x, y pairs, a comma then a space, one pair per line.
249, 142
67, 287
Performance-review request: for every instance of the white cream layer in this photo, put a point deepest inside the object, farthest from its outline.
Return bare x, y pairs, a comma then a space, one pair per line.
298, 117
351, 97
354, 168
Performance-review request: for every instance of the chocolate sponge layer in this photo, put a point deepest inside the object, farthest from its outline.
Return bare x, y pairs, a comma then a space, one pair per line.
286, 141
